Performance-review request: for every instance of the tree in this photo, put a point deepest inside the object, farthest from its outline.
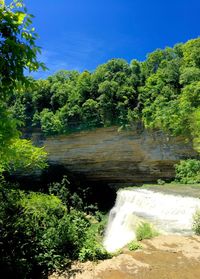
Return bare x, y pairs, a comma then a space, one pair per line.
91, 116
18, 53
162, 92
107, 90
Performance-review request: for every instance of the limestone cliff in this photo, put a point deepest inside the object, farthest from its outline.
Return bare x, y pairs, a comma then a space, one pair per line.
108, 155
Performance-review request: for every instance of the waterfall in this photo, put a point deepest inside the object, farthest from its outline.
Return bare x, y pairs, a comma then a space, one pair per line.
168, 213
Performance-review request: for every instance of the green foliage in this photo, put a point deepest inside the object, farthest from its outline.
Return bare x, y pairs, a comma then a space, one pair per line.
189, 75
90, 113
188, 171
195, 131
134, 245
191, 53
162, 92
17, 53
160, 182
145, 231
170, 95
18, 40
21, 155
8, 132
92, 248
26, 156
70, 196
102, 222
50, 122
93, 251
38, 234
61, 190
196, 222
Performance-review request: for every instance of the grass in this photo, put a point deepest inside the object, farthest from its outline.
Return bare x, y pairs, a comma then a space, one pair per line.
196, 222
134, 245
145, 231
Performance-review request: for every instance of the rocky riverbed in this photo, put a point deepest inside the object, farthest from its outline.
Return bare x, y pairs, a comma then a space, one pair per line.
164, 257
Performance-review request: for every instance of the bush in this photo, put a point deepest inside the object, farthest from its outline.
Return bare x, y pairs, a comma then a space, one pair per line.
57, 233
92, 248
103, 221
93, 251
134, 245
61, 190
188, 171
160, 182
196, 222
73, 196
38, 235
145, 231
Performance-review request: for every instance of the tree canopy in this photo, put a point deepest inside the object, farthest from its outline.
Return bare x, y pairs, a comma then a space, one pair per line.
162, 92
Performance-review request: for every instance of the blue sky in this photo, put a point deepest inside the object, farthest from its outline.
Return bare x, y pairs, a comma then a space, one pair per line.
81, 34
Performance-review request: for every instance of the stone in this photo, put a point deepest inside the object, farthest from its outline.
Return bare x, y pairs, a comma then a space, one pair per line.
112, 156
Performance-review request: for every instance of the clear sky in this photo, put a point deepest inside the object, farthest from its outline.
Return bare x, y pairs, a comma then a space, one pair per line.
81, 34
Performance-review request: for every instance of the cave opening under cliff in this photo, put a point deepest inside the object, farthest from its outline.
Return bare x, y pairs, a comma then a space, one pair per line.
100, 193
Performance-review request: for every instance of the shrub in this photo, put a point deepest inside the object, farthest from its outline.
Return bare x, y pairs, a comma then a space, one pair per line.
57, 233
134, 245
145, 231
38, 234
61, 190
196, 222
188, 171
160, 182
73, 196
102, 225
92, 248
93, 251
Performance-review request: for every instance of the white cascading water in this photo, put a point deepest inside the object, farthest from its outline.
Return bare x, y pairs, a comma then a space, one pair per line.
168, 213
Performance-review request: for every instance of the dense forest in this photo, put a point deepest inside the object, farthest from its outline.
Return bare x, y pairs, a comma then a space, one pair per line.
45, 229
162, 92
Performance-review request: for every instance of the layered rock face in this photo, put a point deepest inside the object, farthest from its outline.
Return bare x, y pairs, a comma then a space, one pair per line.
107, 155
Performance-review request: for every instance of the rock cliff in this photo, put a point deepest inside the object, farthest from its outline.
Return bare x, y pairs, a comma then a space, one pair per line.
107, 155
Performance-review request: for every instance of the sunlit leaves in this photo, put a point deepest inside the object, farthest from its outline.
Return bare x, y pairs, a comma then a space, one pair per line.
50, 122
163, 92
195, 128
189, 75
26, 156
17, 45
191, 53
2, 3
22, 155
17, 53
171, 95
